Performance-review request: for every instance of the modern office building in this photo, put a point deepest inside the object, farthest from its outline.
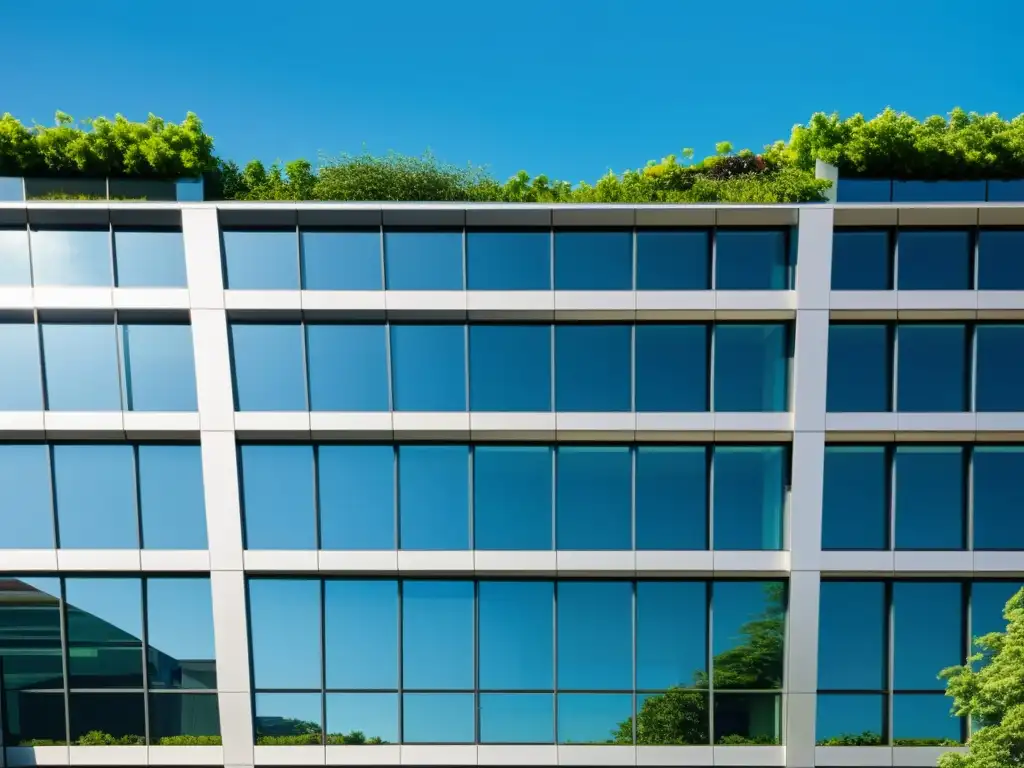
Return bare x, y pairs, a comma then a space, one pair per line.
456, 484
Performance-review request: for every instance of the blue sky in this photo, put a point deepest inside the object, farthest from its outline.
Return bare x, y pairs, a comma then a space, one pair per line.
569, 88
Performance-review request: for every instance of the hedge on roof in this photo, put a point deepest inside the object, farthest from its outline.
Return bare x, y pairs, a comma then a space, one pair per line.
892, 145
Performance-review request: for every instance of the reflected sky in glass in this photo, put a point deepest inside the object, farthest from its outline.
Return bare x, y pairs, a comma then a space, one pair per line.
428, 367
749, 495
171, 497
859, 362
673, 260
855, 504
751, 367
21, 386
433, 496
361, 633
999, 368
593, 367
512, 490
853, 637
72, 257
277, 496
516, 628
423, 261
356, 485
81, 364
930, 497
510, 367
592, 718
95, 495
150, 258
268, 366
375, 714
672, 368
517, 718
160, 367
26, 507
438, 718
672, 634
593, 261
845, 714
341, 260
261, 259
932, 610
14, 263
284, 632
593, 505
348, 367
437, 635
508, 261
998, 497
931, 368
916, 716
671, 497
595, 635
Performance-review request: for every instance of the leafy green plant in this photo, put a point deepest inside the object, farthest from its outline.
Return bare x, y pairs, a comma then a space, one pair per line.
291, 739
189, 741
736, 740
100, 738
865, 739
42, 743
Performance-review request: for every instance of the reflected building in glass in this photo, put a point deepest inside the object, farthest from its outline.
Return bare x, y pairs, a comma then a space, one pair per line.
506, 485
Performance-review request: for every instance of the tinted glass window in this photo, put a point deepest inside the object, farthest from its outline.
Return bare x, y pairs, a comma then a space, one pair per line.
375, 715
855, 506
433, 496
998, 497
180, 652
356, 486
671, 368
428, 367
341, 260
1000, 260
95, 495
592, 718
594, 498
595, 635
512, 493
284, 633
930, 498
121, 715
841, 715
361, 653
159, 367
288, 718
182, 714
438, 718
348, 367
852, 636
751, 259
988, 601
14, 266
423, 261
81, 365
931, 367
1000, 368
510, 367
514, 718
21, 387
671, 498
749, 492
73, 257
593, 261
747, 718
269, 369
508, 261
861, 260
751, 367
923, 719
277, 496
932, 610
26, 508
171, 497
104, 618
671, 634
673, 260
593, 368
150, 258
437, 635
745, 614
516, 635
859, 376
261, 259
935, 260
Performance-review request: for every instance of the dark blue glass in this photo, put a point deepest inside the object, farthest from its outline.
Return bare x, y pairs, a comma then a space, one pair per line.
269, 369
21, 385
510, 368
437, 635
864, 191
297, 716
361, 634
915, 191
593, 506
859, 369
853, 636
348, 367
861, 260
26, 507
508, 261
147, 258
593, 367
931, 368
171, 498
433, 496
356, 485
517, 718
261, 259
284, 634
14, 262
594, 261
752, 259
1000, 368
988, 601
423, 261
924, 720
751, 367
932, 610
517, 639
341, 260
934, 260
512, 492
180, 648
930, 497
749, 492
373, 714
438, 718
428, 367
855, 504
81, 366
277, 496
94, 488
672, 368
104, 631
671, 634
78, 256
741, 611
592, 718
673, 260
1000, 259
595, 635
843, 716
998, 497
159, 367
671, 497
1006, 191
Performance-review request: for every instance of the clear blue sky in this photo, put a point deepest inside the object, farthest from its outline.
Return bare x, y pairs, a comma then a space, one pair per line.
569, 88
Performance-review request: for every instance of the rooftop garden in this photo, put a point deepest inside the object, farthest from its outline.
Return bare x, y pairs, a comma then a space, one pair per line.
960, 146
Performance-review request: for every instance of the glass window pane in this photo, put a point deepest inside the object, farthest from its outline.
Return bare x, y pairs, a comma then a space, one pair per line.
171, 497
107, 719
81, 364
437, 635
750, 259
423, 261
673, 260
595, 635
671, 497
284, 633
850, 720
517, 718
855, 504
593, 505
21, 383
595, 718
184, 719
288, 719
438, 718
934, 260
26, 507
594, 261
277, 496
678, 717
748, 718
361, 633
72, 256
988, 601
749, 496
261, 259
751, 367
508, 261
924, 720
95, 495
932, 610
433, 496
517, 638
428, 367
160, 367
150, 258
1000, 260
348, 367
1000, 368
269, 369
593, 367
180, 651
860, 260
356, 496
998, 497
34, 719
362, 718
104, 618
14, 265
859, 375
749, 633
931, 367
671, 634
930, 497
512, 490
341, 260
510, 368
672, 368
853, 636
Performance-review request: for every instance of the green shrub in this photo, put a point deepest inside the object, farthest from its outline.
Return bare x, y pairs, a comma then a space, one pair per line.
189, 741
865, 739
292, 739
100, 738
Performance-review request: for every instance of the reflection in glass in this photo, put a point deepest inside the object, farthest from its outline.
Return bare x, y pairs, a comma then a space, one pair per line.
988, 601
95, 496
438, 718
341, 260
284, 633
677, 717
931, 498
261, 259
934, 260
423, 261
288, 719
508, 261
595, 635
277, 496
348, 367
932, 610
593, 261
428, 367
69, 256
361, 634
751, 367
749, 496
671, 497
593, 503
593, 368
433, 496
107, 719
517, 718
510, 368
268, 366
516, 635
595, 718
998, 497
931, 368
362, 718
1000, 260
748, 615
512, 488
671, 634
81, 364
21, 382
183, 719
1000, 368
171, 498
356, 496
861, 260
26, 507
924, 720
853, 636
751, 259
748, 718
160, 370
14, 262
850, 720
104, 634
147, 258
859, 368
180, 652
673, 260
672, 368
855, 504
437, 636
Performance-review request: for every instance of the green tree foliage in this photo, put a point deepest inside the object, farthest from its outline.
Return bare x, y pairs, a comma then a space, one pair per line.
290, 732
